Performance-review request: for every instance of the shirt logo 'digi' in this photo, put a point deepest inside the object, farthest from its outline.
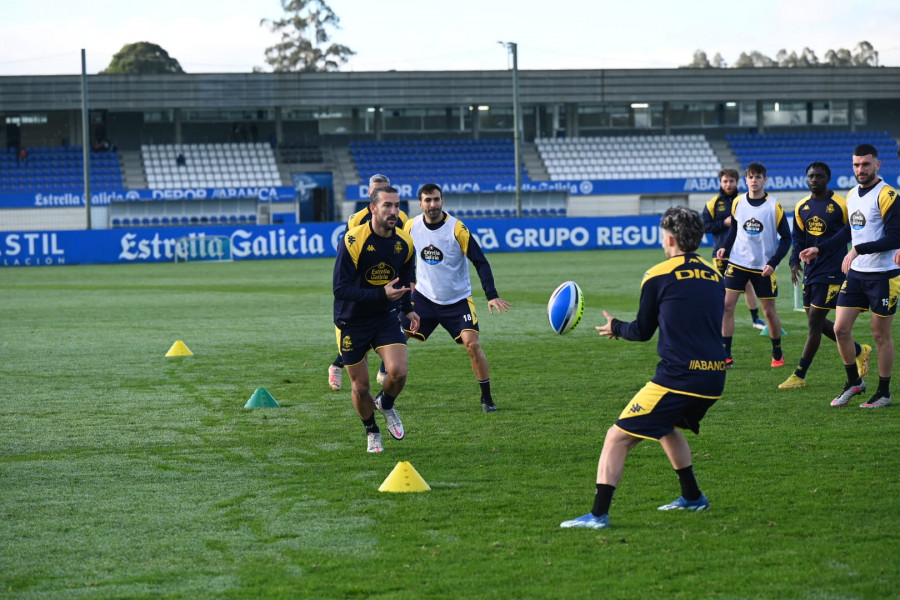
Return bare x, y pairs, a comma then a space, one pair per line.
380, 274
753, 227
857, 220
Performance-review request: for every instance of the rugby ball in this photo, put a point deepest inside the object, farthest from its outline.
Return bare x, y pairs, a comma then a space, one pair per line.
566, 307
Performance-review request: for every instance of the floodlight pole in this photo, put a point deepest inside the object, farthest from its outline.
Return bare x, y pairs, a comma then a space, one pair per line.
85, 140
517, 140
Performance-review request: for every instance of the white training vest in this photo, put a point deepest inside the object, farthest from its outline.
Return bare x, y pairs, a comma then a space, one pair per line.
867, 225
757, 233
442, 269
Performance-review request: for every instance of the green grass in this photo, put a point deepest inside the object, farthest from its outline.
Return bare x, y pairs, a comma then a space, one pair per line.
127, 474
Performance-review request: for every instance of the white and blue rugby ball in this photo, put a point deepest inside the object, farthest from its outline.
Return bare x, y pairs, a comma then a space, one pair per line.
566, 307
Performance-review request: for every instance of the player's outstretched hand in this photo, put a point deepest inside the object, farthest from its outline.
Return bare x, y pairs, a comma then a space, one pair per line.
808, 255
413, 317
500, 304
606, 330
394, 293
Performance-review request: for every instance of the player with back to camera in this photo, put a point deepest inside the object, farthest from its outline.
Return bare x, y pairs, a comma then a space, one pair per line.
683, 297
373, 270
818, 217
717, 221
336, 369
443, 291
759, 238
873, 277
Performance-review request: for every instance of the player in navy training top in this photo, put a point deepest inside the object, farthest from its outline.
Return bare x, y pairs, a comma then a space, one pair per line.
818, 217
374, 269
684, 298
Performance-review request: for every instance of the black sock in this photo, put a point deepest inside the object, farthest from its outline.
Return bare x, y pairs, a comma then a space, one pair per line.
387, 401
754, 314
726, 341
852, 373
689, 488
777, 352
486, 390
602, 499
858, 348
802, 367
338, 362
381, 369
370, 425
884, 386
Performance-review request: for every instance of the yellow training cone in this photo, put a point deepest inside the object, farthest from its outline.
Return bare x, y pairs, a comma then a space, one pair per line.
179, 349
404, 478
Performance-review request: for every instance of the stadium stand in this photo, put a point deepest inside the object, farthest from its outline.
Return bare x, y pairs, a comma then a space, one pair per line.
172, 213
58, 169
296, 153
445, 161
628, 157
210, 165
792, 152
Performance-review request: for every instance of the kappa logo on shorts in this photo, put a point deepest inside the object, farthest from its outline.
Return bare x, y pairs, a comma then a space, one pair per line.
636, 408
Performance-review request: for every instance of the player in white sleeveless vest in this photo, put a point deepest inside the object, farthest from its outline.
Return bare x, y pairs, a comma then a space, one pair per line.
873, 276
759, 239
443, 292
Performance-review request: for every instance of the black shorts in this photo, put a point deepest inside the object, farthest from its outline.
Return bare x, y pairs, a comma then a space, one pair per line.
820, 295
878, 295
736, 279
655, 411
356, 338
455, 318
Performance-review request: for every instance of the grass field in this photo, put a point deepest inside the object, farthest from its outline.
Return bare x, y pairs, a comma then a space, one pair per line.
127, 474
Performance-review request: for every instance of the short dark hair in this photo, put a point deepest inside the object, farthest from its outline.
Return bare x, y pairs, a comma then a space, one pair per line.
865, 150
820, 165
685, 225
756, 168
376, 181
384, 189
729, 173
429, 188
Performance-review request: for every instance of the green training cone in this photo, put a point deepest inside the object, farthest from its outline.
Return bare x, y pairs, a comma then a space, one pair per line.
261, 398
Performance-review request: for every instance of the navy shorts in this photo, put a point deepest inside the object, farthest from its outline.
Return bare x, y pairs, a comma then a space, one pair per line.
877, 295
455, 318
655, 411
820, 295
356, 338
736, 279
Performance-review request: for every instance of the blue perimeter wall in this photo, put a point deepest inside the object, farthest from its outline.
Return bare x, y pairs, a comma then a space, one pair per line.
313, 240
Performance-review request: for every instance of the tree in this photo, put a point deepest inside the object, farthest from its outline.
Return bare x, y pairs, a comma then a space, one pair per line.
700, 61
864, 55
718, 62
839, 58
754, 59
304, 38
142, 58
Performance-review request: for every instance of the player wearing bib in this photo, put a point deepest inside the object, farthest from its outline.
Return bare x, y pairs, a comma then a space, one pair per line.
683, 298
759, 238
374, 268
443, 291
335, 371
817, 218
873, 279
717, 222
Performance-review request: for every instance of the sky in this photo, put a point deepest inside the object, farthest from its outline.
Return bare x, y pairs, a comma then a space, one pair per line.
45, 37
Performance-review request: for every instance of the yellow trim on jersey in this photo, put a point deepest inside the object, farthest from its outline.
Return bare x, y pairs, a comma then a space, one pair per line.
671, 264
886, 198
356, 238
462, 235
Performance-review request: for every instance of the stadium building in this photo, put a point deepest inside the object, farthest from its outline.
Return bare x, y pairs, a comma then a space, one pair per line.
276, 148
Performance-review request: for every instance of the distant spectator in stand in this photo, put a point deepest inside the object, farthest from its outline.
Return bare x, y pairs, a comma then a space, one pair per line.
180, 160
717, 221
22, 156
